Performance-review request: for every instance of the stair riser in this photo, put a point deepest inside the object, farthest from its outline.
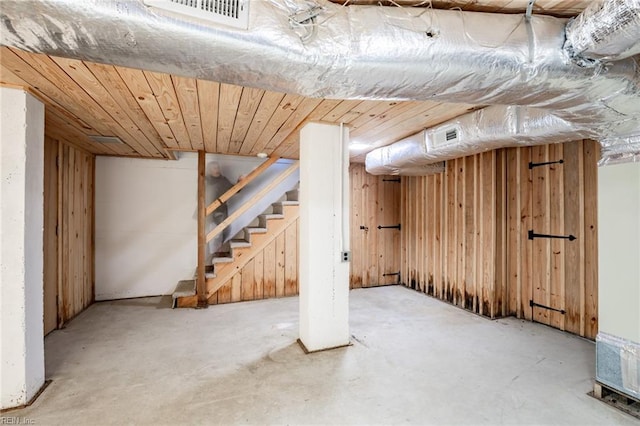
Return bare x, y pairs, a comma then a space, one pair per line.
276, 208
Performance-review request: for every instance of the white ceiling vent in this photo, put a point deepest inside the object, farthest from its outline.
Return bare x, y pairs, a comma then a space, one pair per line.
233, 13
446, 136
106, 139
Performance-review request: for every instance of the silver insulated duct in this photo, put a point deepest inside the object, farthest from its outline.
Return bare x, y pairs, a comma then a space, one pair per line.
480, 131
320, 49
615, 152
606, 30
407, 157
355, 52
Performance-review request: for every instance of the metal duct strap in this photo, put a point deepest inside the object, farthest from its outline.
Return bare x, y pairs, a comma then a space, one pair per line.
605, 30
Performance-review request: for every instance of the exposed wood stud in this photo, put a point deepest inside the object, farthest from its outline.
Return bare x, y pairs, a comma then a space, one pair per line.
69, 277
201, 286
487, 203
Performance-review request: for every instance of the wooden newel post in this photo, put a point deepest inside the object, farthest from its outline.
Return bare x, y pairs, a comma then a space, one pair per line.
201, 285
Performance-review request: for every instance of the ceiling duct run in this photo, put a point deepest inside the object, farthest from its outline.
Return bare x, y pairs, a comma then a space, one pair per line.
605, 30
480, 131
354, 52
606, 26
408, 157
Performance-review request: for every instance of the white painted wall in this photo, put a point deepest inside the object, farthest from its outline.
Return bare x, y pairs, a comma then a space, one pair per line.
21, 247
146, 223
619, 250
324, 278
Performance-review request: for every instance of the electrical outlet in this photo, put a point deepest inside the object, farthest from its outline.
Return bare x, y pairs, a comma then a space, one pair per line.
346, 256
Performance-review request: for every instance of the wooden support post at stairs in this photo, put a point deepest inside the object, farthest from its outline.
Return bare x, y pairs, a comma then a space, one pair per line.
201, 284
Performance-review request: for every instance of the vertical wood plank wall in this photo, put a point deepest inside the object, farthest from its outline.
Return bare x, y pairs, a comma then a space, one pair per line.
375, 200
375, 252
560, 199
70, 242
450, 244
465, 234
51, 147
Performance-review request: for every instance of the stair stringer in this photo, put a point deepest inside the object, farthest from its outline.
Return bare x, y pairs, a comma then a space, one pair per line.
226, 272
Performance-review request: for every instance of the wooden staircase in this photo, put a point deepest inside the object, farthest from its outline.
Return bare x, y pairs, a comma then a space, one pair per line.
241, 250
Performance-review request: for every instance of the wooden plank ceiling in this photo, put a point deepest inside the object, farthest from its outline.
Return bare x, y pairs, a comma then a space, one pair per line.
157, 114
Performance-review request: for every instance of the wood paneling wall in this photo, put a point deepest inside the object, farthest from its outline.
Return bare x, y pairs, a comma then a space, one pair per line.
465, 234
450, 243
69, 210
560, 199
273, 272
375, 200
51, 147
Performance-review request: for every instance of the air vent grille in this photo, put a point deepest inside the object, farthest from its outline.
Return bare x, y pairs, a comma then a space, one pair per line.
106, 139
234, 13
445, 137
230, 8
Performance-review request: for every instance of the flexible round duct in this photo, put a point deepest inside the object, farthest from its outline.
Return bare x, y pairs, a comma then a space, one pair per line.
354, 52
479, 131
606, 30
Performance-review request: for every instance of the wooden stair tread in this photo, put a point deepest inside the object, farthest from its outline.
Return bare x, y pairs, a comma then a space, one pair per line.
239, 244
273, 216
185, 288
225, 259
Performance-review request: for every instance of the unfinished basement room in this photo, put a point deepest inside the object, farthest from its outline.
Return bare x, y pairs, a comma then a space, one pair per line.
331, 212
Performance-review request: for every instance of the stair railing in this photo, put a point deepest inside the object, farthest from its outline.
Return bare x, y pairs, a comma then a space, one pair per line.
238, 186
204, 211
252, 201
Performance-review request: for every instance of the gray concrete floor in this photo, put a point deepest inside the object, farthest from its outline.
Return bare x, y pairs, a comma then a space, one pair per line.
414, 360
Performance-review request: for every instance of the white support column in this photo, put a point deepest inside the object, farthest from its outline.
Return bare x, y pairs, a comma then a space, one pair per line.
21, 247
324, 276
